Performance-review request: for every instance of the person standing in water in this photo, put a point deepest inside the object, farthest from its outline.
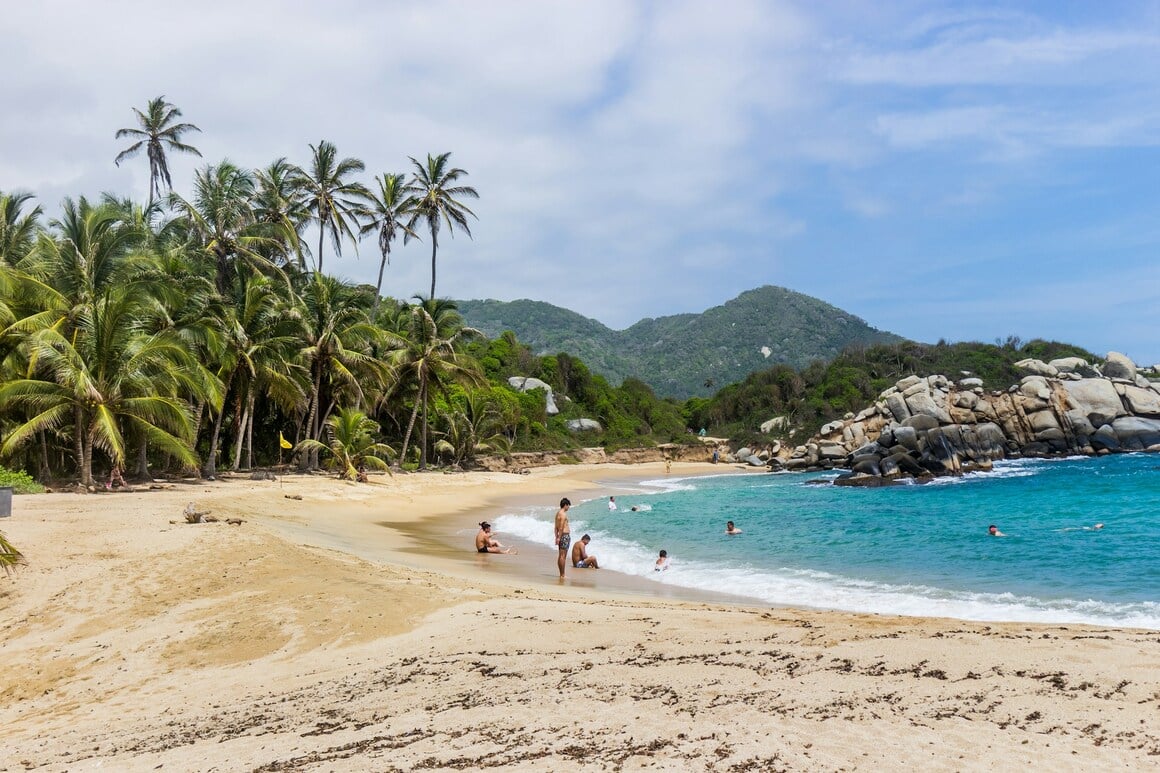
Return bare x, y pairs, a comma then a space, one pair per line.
731, 529
563, 533
612, 504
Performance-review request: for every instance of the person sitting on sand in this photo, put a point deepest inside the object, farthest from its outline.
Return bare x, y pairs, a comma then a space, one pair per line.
993, 530
116, 479
662, 562
580, 557
485, 543
731, 529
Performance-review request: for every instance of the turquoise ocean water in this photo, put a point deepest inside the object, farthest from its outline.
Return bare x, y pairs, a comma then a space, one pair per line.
911, 549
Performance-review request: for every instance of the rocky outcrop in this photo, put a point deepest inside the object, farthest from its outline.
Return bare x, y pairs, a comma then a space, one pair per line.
584, 425
933, 426
527, 384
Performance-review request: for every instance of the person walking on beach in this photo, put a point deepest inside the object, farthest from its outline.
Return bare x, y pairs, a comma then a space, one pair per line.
580, 557
563, 533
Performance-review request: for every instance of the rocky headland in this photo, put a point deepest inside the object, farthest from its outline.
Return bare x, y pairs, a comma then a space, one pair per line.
925, 427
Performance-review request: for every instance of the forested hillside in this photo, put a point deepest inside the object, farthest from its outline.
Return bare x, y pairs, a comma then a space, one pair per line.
687, 354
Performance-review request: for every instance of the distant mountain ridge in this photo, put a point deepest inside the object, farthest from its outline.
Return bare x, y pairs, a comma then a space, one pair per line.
678, 355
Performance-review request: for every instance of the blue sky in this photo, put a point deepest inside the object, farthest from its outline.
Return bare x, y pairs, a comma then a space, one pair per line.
963, 171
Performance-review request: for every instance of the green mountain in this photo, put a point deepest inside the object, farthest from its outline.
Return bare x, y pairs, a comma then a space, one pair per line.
686, 354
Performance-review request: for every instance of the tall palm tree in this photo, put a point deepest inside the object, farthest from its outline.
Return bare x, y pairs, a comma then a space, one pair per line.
17, 228
385, 214
435, 333
435, 199
332, 197
222, 219
341, 349
158, 131
281, 203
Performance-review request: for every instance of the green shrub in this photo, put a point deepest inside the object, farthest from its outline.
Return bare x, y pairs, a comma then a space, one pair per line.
20, 481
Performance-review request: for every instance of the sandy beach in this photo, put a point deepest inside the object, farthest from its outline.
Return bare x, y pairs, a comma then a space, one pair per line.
341, 627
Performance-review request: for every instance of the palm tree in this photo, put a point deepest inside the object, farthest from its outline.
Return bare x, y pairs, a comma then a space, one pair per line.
17, 228
281, 203
9, 555
97, 348
432, 359
222, 219
332, 198
385, 214
157, 132
435, 199
352, 444
341, 351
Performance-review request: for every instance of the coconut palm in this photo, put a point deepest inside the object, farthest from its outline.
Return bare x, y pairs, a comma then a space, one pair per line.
9, 555
97, 348
471, 425
281, 203
158, 131
432, 359
352, 444
221, 218
332, 197
17, 227
110, 378
342, 350
435, 199
385, 214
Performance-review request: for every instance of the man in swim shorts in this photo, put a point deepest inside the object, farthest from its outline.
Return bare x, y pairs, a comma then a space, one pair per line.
580, 557
563, 534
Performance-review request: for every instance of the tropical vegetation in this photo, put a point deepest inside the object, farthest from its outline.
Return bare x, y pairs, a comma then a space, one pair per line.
188, 334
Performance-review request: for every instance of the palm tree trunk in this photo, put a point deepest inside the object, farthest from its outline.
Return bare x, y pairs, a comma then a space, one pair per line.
142, 471
423, 447
309, 457
378, 290
321, 233
45, 468
87, 461
407, 435
434, 248
79, 444
241, 435
250, 434
211, 460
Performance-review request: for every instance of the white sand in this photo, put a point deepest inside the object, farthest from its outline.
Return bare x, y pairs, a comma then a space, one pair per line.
315, 637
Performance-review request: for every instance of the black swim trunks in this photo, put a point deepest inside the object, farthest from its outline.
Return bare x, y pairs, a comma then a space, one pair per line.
484, 549
565, 540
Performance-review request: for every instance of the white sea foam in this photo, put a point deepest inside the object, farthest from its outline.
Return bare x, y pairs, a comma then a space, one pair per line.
805, 588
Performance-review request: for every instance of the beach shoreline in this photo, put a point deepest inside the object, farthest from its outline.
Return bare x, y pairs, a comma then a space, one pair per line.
348, 627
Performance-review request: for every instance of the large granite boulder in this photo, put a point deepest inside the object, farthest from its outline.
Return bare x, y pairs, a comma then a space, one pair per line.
1038, 368
1135, 433
527, 384
1097, 398
1119, 366
584, 425
1142, 402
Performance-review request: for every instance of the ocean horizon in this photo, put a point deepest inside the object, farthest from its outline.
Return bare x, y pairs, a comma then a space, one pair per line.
914, 549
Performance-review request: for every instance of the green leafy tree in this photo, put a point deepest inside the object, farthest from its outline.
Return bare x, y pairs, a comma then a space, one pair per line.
437, 200
158, 131
280, 203
332, 198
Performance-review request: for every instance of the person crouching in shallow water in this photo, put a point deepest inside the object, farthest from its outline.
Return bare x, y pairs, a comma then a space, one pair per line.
485, 543
580, 557
662, 561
